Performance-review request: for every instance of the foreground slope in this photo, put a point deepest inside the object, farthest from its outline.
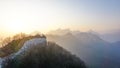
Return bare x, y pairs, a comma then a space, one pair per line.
38, 53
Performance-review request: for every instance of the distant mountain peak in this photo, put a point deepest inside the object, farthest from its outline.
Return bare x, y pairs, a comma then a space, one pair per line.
93, 32
60, 32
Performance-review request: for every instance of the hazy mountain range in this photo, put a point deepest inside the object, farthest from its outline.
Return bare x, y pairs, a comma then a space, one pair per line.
112, 36
89, 46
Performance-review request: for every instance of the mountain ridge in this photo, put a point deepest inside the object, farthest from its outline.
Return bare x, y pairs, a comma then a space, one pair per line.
37, 52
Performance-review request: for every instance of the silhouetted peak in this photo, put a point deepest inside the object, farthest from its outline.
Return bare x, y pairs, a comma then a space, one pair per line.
59, 32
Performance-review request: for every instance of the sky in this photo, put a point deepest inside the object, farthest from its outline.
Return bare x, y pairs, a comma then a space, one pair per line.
45, 15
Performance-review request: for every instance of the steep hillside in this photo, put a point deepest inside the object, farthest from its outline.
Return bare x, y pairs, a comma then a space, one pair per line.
42, 55
36, 52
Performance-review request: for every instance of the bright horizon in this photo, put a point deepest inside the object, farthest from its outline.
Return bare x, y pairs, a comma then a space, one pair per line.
38, 15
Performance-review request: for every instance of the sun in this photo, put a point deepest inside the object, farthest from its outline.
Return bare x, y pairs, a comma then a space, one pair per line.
17, 27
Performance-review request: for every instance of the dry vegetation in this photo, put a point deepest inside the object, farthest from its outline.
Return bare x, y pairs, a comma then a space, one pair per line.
12, 45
